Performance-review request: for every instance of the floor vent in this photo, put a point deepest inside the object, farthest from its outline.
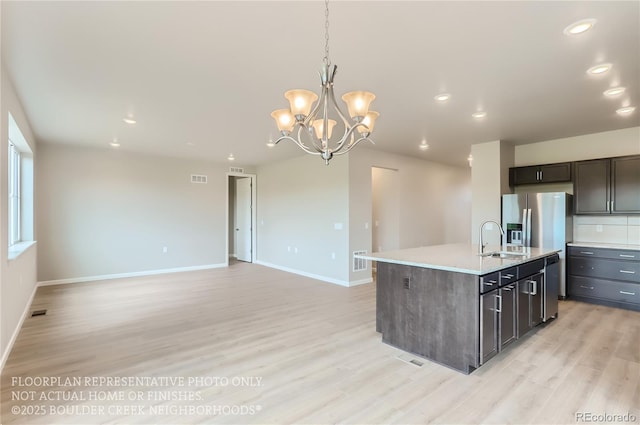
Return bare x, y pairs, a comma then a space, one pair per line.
197, 178
358, 263
407, 358
236, 170
38, 313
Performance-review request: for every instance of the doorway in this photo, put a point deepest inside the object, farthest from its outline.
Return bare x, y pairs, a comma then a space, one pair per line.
241, 240
385, 209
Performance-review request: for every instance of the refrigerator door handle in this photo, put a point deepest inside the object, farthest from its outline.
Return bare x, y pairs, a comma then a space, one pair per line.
528, 227
524, 227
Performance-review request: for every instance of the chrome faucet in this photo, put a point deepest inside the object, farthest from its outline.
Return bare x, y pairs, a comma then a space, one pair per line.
481, 245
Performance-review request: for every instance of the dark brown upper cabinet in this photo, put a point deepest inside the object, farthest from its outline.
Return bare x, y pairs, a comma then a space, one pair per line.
535, 174
607, 186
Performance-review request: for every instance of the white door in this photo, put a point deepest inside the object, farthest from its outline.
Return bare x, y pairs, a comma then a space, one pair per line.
243, 225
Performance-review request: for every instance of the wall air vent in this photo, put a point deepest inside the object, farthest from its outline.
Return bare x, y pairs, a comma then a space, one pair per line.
358, 263
38, 313
197, 178
236, 170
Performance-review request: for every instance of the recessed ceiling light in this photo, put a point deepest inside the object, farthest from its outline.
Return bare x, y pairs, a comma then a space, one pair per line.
579, 27
627, 110
115, 143
129, 120
190, 144
231, 157
479, 114
442, 97
423, 145
599, 69
615, 91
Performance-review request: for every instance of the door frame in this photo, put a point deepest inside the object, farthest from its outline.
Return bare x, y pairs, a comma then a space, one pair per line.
254, 245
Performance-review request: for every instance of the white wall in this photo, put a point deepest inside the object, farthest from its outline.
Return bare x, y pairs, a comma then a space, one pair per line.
18, 275
434, 201
490, 180
589, 146
110, 212
300, 201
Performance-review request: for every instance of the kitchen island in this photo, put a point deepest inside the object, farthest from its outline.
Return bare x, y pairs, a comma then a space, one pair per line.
448, 304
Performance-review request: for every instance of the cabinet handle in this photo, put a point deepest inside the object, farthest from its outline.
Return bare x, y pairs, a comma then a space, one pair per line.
507, 288
627, 256
534, 286
586, 287
499, 309
507, 276
627, 293
628, 271
586, 252
541, 178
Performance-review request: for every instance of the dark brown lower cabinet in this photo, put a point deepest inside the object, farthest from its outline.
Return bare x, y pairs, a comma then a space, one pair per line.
530, 298
604, 276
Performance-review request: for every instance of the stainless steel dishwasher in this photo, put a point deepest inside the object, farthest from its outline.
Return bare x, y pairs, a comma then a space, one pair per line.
551, 285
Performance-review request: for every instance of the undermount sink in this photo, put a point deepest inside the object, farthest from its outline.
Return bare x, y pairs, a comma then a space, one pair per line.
503, 254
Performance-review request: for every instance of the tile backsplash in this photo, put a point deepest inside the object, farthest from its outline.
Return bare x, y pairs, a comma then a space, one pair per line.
606, 229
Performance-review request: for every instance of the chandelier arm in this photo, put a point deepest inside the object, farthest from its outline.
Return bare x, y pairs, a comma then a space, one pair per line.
308, 130
353, 145
314, 111
348, 127
300, 145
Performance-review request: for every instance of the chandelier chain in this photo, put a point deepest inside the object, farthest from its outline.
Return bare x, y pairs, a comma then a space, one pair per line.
326, 33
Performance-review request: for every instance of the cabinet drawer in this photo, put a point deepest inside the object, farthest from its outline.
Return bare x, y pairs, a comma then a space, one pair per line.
489, 282
614, 254
531, 268
605, 269
604, 289
508, 276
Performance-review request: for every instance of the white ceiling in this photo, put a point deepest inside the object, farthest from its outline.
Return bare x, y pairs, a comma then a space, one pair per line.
210, 73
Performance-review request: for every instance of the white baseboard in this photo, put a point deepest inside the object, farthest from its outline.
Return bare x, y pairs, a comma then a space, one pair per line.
361, 281
133, 274
314, 276
16, 331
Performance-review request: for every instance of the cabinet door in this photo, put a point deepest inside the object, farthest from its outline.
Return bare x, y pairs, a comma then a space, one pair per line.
555, 173
508, 310
524, 308
625, 185
536, 293
591, 187
523, 175
488, 326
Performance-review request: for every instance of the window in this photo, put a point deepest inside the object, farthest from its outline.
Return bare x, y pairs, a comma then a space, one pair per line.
20, 188
14, 194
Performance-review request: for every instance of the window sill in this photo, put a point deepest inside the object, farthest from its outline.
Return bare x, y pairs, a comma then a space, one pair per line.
18, 249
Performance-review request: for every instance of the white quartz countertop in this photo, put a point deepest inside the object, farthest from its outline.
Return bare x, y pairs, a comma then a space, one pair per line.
461, 258
632, 247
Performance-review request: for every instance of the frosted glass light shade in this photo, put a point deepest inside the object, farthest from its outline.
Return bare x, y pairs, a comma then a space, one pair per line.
318, 125
358, 103
284, 120
301, 101
370, 121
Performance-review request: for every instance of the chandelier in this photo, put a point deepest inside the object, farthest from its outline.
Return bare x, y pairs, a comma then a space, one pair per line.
315, 123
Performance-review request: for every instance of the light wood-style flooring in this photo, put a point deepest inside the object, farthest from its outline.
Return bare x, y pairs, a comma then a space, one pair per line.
294, 350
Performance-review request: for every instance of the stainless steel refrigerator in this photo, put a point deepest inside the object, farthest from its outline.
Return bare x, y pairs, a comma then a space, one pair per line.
539, 220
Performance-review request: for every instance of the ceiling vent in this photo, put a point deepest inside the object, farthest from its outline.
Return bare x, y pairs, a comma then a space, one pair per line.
358, 263
197, 178
236, 170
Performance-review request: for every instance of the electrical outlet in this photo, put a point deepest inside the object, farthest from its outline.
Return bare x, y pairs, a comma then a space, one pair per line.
333, 255
165, 250
288, 249
599, 228
366, 225
295, 250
